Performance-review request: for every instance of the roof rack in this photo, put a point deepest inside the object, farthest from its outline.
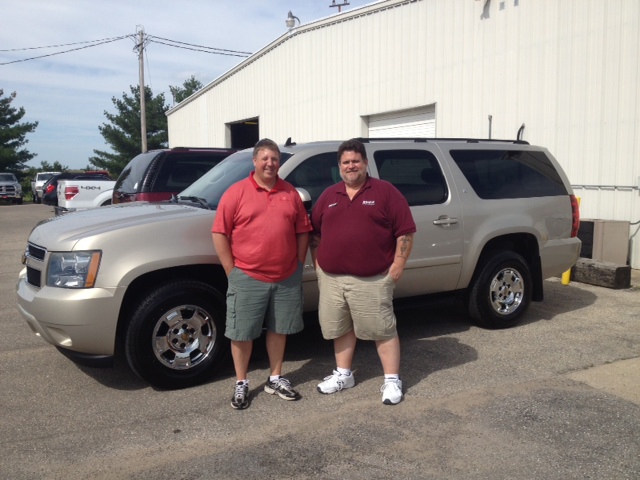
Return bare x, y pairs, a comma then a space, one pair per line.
427, 140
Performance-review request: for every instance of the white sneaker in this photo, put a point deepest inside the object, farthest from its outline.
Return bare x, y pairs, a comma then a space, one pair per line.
391, 392
336, 382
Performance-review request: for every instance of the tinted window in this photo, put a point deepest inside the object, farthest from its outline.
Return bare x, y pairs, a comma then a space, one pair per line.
416, 173
130, 178
497, 174
315, 174
179, 170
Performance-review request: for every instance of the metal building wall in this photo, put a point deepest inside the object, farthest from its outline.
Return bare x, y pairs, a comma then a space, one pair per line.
566, 69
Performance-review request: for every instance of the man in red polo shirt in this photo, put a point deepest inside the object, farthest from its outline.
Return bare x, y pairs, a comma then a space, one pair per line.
362, 238
261, 235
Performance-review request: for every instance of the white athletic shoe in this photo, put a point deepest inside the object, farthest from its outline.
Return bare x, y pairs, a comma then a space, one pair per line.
391, 392
336, 382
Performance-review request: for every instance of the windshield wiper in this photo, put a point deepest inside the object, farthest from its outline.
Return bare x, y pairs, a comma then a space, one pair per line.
203, 202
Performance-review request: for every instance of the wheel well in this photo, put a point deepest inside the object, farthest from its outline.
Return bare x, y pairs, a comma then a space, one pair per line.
210, 274
525, 245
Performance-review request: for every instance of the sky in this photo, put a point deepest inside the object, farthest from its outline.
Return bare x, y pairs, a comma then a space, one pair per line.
68, 93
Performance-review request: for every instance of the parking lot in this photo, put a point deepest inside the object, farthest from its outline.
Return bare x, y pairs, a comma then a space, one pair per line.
556, 397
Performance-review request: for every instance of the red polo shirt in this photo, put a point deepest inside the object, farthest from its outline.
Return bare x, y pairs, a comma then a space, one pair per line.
358, 237
262, 227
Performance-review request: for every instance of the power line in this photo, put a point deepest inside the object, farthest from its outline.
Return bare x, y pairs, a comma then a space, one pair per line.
66, 51
63, 44
151, 38
218, 51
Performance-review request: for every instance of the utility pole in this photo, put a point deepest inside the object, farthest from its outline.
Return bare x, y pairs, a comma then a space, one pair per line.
339, 5
143, 106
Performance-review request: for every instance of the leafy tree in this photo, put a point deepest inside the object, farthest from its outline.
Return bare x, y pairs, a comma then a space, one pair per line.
13, 135
123, 131
189, 87
52, 167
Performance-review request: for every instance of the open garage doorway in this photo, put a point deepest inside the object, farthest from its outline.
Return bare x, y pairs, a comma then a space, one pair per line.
244, 134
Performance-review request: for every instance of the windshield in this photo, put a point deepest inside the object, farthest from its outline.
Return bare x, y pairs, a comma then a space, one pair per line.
215, 182
7, 177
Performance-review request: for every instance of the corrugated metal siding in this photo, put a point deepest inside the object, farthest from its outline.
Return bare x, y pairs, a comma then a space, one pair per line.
567, 69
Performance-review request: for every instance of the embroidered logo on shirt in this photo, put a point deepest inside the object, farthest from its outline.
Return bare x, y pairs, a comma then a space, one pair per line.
368, 202
333, 205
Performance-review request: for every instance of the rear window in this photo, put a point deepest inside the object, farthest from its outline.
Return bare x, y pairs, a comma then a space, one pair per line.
43, 177
179, 170
130, 178
495, 174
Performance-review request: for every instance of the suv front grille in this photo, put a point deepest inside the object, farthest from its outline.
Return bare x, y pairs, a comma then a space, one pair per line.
35, 256
36, 252
8, 189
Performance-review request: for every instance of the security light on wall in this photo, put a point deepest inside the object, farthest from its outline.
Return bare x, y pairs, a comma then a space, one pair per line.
291, 20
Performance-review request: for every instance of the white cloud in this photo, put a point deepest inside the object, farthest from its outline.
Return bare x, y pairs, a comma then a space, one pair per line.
68, 93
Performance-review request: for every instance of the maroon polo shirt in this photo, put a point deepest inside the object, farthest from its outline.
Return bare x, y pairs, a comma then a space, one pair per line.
358, 237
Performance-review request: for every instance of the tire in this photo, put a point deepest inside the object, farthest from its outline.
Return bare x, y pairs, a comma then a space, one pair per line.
176, 335
20, 201
501, 291
38, 200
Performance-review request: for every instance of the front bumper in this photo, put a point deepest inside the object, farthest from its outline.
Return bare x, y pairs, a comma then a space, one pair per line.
83, 321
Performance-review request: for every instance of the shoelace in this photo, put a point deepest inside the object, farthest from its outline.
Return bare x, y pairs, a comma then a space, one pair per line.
283, 382
386, 384
339, 382
240, 392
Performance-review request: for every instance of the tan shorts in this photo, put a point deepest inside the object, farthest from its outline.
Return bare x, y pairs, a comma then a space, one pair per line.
361, 304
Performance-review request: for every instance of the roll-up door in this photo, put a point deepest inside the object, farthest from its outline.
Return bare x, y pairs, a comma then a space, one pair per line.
407, 123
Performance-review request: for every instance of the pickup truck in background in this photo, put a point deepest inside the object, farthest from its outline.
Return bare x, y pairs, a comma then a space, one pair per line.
82, 193
38, 181
10, 188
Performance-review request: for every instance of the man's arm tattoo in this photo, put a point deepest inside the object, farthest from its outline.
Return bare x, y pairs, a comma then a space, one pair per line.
405, 240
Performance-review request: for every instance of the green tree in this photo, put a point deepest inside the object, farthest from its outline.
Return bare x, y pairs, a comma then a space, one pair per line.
13, 135
123, 135
52, 167
189, 87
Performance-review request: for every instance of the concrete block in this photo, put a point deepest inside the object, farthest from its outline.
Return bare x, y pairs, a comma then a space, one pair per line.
602, 274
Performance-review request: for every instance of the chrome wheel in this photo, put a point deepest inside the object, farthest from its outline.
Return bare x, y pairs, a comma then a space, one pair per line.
500, 292
184, 337
175, 335
506, 291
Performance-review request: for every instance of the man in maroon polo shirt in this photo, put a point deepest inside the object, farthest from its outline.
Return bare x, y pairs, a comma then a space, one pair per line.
362, 238
261, 234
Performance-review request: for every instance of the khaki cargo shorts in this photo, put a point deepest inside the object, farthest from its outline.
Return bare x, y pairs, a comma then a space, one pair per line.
364, 304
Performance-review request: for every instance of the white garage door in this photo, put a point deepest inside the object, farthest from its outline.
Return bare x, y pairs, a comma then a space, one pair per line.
408, 123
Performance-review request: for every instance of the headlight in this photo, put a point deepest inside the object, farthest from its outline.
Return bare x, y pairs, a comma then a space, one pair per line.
19, 189
73, 269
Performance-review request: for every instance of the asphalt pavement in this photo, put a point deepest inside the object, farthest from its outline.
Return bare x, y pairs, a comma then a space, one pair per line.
556, 397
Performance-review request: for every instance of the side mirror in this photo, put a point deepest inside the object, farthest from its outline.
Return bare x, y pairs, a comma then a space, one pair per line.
305, 197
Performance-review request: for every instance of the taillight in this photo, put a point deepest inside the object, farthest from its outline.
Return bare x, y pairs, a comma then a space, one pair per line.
50, 188
70, 192
575, 215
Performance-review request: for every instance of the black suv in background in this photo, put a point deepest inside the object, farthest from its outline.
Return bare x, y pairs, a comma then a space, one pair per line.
50, 187
158, 174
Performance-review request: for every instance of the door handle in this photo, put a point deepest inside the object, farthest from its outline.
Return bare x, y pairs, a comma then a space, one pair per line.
445, 220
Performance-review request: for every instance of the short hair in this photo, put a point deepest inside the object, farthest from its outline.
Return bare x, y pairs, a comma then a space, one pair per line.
268, 144
352, 145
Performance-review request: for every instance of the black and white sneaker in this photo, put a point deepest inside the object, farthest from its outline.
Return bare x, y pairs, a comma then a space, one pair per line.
282, 387
240, 399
